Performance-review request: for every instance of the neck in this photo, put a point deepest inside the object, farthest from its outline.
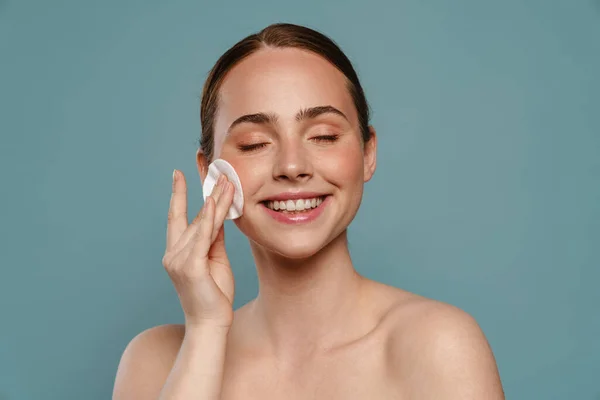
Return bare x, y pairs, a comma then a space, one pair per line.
307, 305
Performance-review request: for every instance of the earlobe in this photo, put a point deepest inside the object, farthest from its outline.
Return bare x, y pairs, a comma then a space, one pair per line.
370, 155
202, 164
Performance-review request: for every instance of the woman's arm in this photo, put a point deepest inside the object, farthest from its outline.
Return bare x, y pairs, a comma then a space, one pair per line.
173, 363
198, 370
168, 362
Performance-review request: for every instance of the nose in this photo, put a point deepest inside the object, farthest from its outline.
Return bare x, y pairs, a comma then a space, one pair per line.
292, 162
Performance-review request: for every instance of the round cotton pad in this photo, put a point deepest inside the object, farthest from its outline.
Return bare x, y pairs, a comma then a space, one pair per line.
215, 169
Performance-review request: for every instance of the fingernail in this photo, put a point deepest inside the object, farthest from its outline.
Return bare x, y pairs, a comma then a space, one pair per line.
174, 175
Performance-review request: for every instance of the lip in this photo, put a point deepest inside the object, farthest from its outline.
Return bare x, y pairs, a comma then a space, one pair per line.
298, 218
295, 196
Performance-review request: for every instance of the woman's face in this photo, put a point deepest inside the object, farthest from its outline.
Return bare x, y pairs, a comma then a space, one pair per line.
288, 125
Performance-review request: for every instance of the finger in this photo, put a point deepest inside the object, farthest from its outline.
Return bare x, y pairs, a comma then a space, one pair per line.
217, 251
195, 224
220, 269
201, 241
222, 208
223, 277
219, 186
177, 215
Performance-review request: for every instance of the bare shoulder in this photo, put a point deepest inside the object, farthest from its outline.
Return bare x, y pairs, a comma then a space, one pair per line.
437, 350
147, 361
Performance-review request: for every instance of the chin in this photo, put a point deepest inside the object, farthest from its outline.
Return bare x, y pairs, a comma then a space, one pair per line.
296, 251
294, 244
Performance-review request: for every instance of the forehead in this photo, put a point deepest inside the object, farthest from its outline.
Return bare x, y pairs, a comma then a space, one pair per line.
281, 81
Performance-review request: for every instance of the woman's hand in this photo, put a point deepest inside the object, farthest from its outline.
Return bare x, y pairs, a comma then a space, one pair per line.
195, 258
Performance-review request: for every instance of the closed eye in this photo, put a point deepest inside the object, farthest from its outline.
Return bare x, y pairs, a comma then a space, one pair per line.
251, 147
257, 146
326, 138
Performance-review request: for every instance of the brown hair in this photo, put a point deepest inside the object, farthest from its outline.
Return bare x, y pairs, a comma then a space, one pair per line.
277, 35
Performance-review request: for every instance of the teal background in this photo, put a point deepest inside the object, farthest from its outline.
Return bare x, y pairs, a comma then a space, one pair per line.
488, 114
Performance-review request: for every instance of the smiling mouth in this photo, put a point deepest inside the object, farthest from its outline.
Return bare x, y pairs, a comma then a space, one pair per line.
294, 206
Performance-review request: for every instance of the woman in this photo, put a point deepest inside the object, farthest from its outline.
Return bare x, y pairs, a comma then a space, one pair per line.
285, 108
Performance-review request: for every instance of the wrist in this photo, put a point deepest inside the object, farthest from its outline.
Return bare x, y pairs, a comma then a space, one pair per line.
206, 328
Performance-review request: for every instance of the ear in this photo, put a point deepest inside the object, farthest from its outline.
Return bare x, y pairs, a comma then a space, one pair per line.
202, 163
370, 155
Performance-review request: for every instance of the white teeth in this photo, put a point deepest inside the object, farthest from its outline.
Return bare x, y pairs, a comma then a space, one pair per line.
290, 205
294, 205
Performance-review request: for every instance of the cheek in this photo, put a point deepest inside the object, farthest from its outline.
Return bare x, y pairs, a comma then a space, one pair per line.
344, 165
251, 174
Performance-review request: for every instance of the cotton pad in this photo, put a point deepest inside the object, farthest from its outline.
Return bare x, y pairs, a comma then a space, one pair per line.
215, 169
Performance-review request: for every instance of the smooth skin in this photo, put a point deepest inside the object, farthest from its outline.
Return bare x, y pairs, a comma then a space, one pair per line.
317, 329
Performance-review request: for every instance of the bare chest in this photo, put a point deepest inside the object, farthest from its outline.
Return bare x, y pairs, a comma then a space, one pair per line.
355, 375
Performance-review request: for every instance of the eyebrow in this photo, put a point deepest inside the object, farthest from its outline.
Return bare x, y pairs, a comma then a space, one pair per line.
271, 119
